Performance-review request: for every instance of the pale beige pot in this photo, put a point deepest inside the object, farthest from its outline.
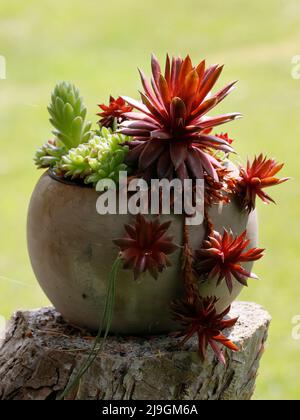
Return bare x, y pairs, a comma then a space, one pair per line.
71, 251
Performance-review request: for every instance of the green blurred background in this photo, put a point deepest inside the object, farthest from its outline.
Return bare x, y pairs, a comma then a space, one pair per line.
98, 45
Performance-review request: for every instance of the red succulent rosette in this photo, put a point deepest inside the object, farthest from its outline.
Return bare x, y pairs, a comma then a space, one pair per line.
116, 109
219, 191
225, 137
201, 318
255, 177
145, 246
221, 256
171, 131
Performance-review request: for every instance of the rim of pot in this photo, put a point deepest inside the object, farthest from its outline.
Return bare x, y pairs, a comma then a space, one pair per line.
74, 183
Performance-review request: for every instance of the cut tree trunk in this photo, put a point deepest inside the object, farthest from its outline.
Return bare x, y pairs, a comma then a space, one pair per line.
41, 354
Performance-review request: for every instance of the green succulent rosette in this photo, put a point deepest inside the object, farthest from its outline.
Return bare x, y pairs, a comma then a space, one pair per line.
49, 155
102, 157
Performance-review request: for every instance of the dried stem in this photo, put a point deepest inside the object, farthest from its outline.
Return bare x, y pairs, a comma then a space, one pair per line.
208, 223
189, 277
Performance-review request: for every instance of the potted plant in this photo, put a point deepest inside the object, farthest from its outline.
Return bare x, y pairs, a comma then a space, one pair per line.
172, 276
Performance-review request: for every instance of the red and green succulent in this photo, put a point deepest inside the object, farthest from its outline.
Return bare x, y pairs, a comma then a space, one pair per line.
200, 318
171, 136
221, 257
257, 176
115, 110
171, 129
146, 246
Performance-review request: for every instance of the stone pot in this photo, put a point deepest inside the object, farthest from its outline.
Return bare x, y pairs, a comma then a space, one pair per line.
71, 251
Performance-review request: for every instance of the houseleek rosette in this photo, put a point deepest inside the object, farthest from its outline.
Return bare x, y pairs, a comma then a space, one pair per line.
114, 112
49, 154
201, 318
101, 158
110, 160
171, 129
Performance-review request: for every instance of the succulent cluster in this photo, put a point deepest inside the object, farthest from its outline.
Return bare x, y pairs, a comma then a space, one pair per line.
168, 134
77, 152
172, 137
102, 157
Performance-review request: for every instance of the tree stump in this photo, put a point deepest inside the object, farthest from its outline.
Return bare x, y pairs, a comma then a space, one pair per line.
41, 354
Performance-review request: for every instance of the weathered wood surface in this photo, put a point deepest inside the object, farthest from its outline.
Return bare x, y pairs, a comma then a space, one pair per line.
41, 353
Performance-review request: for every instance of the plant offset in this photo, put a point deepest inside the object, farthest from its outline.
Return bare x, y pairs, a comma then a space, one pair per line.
167, 135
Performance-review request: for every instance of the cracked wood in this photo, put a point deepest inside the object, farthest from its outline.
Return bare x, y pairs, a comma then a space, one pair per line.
41, 354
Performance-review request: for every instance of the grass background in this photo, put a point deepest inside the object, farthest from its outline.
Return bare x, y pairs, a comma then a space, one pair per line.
98, 45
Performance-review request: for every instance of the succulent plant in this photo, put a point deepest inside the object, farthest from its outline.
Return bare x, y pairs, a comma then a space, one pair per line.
145, 246
219, 191
169, 136
255, 177
110, 159
201, 318
222, 255
67, 115
170, 131
49, 155
225, 137
102, 157
115, 111
76, 163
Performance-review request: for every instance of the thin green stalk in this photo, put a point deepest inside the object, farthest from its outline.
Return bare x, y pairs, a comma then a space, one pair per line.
105, 324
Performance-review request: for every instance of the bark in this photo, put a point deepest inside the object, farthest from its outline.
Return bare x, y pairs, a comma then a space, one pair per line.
41, 354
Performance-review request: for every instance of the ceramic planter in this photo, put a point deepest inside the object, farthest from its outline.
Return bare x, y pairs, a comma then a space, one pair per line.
72, 252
